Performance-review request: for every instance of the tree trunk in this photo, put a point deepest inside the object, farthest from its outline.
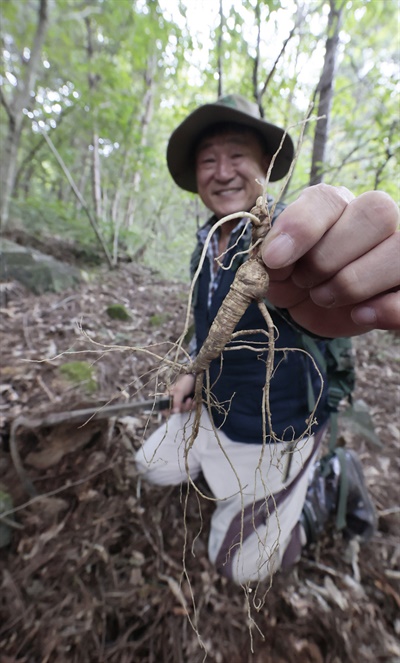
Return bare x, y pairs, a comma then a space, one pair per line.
144, 125
95, 165
14, 109
8, 167
256, 62
96, 178
324, 93
84, 158
220, 49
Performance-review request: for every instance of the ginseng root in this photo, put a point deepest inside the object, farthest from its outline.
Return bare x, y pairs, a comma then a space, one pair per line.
250, 284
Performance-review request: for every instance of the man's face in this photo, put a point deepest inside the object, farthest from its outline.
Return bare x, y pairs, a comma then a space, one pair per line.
227, 167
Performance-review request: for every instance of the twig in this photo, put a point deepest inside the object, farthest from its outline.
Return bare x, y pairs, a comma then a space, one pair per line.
46, 390
74, 416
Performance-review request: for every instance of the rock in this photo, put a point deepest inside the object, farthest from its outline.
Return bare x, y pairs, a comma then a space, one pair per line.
38, 272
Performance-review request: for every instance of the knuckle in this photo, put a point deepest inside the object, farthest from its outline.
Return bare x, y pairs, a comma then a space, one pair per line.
348, 282
379, 206
388, 311
337, 198
319, 264
323, 261
395, 252
396, 241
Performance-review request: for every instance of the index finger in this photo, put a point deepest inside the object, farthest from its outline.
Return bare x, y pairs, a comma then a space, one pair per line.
302, 224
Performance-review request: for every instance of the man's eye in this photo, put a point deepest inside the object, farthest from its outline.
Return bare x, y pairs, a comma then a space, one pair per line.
237, 155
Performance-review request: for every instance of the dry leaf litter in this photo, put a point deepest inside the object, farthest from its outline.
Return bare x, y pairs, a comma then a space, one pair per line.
101, 567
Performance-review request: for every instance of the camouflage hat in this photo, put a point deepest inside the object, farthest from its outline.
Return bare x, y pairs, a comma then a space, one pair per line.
232, 108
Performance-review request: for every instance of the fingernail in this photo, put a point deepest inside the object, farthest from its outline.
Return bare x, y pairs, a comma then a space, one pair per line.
323, 296
364, 316
279, 252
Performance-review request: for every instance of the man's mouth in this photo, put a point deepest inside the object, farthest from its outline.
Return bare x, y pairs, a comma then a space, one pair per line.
227, 192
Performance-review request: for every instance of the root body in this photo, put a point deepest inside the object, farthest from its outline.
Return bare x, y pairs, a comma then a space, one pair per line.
250, 284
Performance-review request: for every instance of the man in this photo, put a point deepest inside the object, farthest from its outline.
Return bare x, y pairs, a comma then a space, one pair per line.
333, 262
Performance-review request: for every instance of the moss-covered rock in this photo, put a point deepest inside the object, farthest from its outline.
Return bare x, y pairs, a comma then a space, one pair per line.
158, 319
35, 270
6, 505
118, 312
80, 373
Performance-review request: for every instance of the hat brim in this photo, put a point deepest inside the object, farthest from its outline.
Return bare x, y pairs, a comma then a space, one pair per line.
182, 143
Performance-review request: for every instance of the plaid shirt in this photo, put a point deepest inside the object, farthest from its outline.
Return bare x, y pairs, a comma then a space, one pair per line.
213, 251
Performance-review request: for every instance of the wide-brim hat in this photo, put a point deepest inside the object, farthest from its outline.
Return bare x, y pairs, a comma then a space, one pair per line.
233, 108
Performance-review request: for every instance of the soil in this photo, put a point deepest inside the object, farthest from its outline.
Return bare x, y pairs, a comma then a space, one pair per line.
102, 567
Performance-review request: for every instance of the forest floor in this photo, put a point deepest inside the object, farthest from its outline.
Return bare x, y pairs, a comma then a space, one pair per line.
102, 567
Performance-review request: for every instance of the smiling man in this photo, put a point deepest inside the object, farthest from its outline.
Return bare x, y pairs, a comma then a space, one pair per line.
228, 165
320, 255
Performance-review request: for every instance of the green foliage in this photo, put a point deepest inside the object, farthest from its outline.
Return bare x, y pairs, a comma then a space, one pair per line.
6, 523
146, 68
80, 373
158, 319
60, 219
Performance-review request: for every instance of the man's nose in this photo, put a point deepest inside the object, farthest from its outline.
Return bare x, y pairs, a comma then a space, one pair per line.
224, 169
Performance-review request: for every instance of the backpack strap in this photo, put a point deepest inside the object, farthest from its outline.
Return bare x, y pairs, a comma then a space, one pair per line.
311, 346
325, 469
338, 367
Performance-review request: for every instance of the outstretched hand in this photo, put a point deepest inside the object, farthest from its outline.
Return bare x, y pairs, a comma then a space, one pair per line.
334, 261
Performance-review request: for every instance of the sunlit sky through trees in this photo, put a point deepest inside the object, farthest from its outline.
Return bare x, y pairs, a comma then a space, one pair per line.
202, 21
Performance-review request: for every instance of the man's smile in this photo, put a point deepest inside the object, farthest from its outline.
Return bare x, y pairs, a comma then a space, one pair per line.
227, 192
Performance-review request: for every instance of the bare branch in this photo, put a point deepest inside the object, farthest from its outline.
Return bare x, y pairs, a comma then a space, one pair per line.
78, 195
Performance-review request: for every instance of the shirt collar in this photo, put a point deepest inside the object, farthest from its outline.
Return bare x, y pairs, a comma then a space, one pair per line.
205, 229
202, 233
